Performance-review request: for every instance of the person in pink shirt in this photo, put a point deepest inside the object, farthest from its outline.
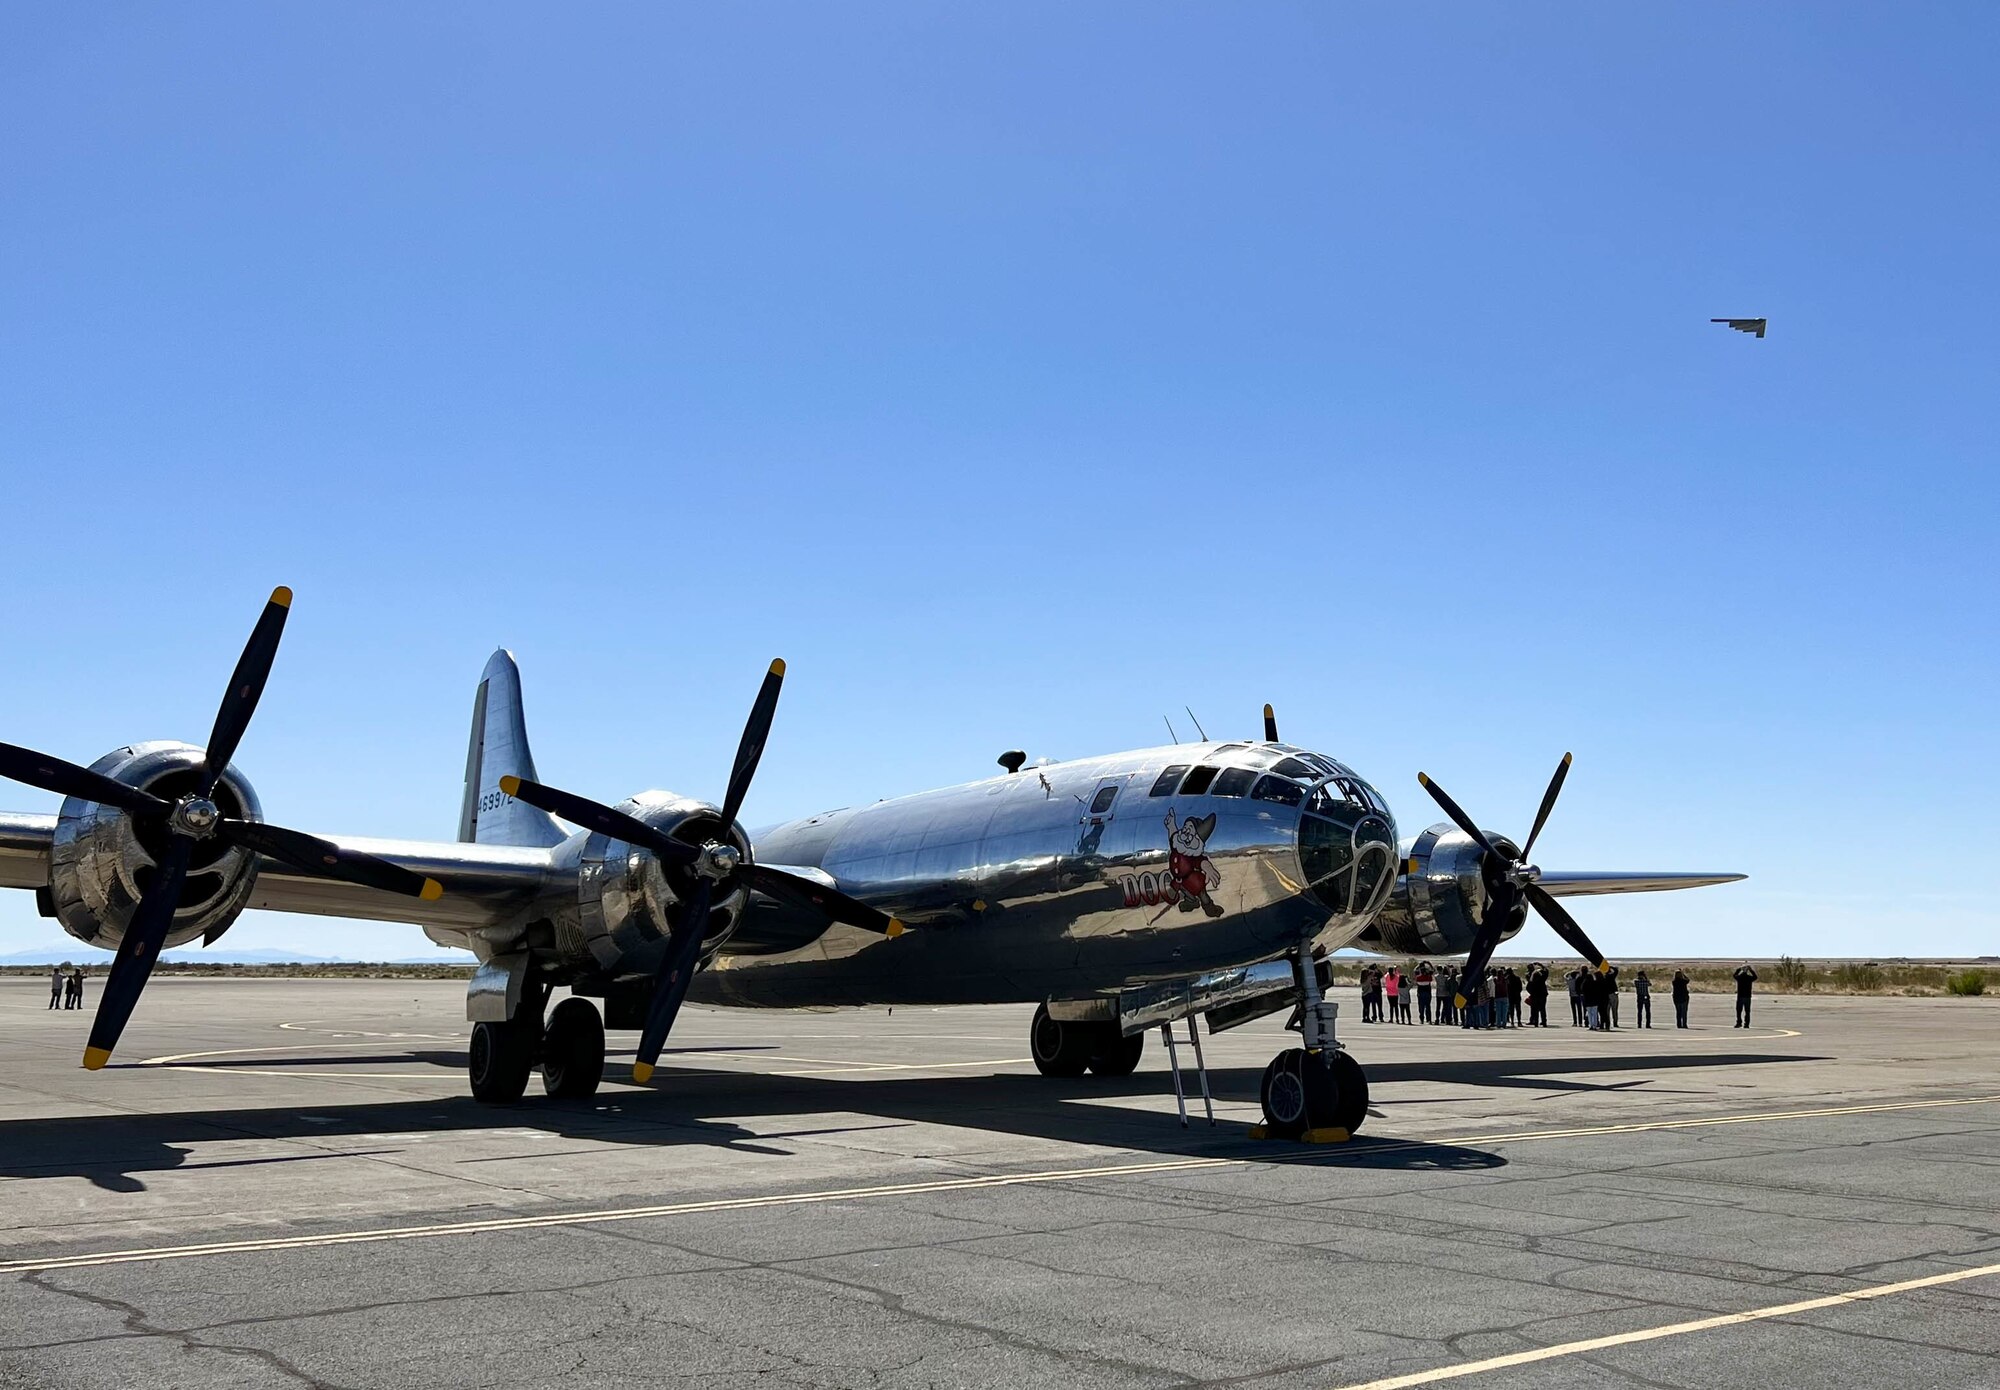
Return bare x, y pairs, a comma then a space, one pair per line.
1392, 983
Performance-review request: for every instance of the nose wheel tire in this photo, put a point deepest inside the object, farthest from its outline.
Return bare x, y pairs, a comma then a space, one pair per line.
1310, 1091
1351, 1106
1061, 1049
499, 1059
573, 1050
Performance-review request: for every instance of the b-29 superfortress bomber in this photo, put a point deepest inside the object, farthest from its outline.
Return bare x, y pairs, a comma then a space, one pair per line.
1117, 893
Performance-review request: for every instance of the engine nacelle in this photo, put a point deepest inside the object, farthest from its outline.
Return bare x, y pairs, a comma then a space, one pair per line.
621, 921
1440, 897
101, 861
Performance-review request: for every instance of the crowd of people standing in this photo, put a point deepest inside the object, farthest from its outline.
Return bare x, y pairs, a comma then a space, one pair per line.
1495, 997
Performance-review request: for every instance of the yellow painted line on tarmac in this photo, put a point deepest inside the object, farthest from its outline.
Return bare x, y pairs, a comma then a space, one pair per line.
1674, 1329
850, 1194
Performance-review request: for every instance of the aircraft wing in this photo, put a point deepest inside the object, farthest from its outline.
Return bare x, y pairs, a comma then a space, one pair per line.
483, 884
24, 849
1589, 883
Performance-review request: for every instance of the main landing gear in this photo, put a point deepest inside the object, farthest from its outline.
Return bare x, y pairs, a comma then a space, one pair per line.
1070, 1049
570, 1049
1317, 1092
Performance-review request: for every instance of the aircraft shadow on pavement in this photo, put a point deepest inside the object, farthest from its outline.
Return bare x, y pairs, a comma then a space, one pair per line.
113, 1151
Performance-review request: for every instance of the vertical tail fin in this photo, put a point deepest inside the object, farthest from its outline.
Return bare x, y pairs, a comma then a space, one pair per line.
499, 749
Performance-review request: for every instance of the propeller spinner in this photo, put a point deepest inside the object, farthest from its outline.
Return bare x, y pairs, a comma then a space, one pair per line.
1511, 880
711, 863
192, 818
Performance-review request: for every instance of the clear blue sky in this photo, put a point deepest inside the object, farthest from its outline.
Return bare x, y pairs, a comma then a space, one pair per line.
1018, 373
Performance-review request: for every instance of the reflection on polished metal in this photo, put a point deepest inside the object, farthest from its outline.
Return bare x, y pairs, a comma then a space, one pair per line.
195, 817
1144, 887
1141, 1008
99, 860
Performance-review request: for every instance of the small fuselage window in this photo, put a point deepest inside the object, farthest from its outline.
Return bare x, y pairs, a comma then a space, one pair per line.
1169, 779
1235, 781
1198, 780
1101, 803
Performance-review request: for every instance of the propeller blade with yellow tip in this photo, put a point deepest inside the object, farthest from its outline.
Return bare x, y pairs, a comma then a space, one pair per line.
1548, 804
1270, 725
1557, 916
246, 687
138, 949
325, 858
595, 815
834, 903
670, 986
756, 731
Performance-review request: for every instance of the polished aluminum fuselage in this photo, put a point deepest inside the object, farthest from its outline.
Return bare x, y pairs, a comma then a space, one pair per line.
1017, 889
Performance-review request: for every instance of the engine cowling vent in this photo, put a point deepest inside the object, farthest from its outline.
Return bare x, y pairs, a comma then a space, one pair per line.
101, 861
1439, 897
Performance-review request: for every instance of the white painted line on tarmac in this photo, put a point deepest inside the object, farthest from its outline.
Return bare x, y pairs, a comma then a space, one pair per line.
1675, 1329
851, 1194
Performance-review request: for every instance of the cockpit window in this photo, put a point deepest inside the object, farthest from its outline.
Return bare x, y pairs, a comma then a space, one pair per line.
1235, 781
1325, 849
1198, 780
1280, 790
1102, 801
1327, 766
1330, 801
1228, 748
1292, 767
1168, 779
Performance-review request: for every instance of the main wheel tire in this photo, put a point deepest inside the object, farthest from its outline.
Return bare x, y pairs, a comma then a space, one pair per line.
1299, 1093
1060, 1049
1351, 1088
573, 1050
498, 1061
1119, 1055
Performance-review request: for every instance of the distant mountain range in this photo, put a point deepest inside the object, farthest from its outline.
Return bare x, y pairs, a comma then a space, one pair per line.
79, 954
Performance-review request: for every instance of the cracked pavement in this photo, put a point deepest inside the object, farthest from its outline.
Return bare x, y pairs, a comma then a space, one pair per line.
1470, 1220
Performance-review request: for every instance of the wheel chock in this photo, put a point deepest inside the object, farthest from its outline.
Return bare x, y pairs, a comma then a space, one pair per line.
1334, 1135
1259, 1132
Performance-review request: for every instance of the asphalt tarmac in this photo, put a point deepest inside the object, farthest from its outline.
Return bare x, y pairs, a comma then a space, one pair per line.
284, 1183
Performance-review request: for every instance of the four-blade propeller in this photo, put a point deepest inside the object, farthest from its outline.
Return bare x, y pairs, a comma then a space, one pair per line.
710, 864
1510, 881
192, 818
